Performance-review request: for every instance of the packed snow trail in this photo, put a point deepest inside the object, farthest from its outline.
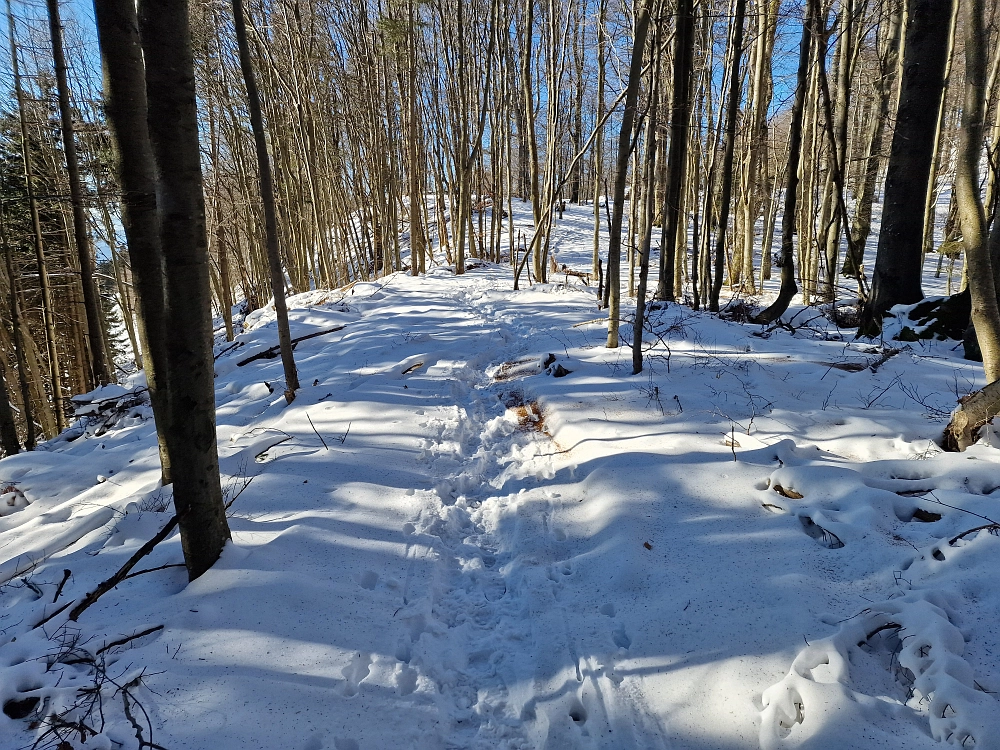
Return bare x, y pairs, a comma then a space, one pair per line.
473, 528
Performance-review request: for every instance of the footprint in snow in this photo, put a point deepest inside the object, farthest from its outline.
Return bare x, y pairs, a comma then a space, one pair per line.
369, 580
355, 673
608, 609
621, 638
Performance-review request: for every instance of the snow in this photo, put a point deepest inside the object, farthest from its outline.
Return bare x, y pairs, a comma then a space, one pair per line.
445, 545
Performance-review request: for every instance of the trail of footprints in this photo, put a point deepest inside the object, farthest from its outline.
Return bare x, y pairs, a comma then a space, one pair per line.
457, 634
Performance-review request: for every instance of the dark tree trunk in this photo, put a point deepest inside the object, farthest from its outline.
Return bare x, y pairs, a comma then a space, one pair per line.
99, 365
267, 199
125, 104
732, 113
173, 134
788, 287
680, 118
8, 428
896, 279
15, 324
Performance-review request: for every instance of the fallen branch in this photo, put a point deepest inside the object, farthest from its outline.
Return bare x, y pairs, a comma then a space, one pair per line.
317, 432
123, 571
974, 411
153, 570
272, 352
66, 574
993, 528
123, 641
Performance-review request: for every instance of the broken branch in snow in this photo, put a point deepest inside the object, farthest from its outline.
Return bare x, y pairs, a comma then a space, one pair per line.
153, 570
317, 432
66, 574
123, 571
127, 639
272, 352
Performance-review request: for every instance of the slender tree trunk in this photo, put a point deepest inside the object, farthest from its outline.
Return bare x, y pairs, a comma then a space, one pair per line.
732, 112
99, 365
621, 172
55, 374
649, 168
173, 136
680, 117
125, 95
16, 334
862, 221
788, 287
267, 199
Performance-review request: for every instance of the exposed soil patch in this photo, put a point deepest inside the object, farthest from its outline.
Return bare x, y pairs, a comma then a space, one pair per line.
530, 417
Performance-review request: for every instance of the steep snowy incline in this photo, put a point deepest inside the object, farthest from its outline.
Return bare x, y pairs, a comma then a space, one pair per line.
475, 529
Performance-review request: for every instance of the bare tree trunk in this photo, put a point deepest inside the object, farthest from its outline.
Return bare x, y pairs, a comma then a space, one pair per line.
55, 375
985, 313
16, 334
649, 168
99, 365
862, 222
732, 112
897, 265
267, 199
621, 170
173, 135
788, 287
680, 117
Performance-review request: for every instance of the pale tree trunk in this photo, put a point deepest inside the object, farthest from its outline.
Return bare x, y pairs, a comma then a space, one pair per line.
896, 279
267, 199
985, 313
788, 287
100, 367
417, 241
621, 172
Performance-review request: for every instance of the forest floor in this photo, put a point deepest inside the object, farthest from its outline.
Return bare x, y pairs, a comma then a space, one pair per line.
474, 528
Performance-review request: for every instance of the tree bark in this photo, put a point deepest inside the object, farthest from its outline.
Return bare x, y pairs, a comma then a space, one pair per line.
173, 135
621, 172
267, 199
732, 112
680, 117
99, 366
788, 287
896, 279
55, 375
985, 313
125, 104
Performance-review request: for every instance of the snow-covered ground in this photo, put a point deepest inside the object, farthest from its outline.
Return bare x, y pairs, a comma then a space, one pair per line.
445, 545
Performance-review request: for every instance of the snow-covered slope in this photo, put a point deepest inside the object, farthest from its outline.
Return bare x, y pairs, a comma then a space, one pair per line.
445, 545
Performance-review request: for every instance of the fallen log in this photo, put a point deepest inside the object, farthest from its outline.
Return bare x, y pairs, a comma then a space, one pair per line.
974, 411
272, 352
